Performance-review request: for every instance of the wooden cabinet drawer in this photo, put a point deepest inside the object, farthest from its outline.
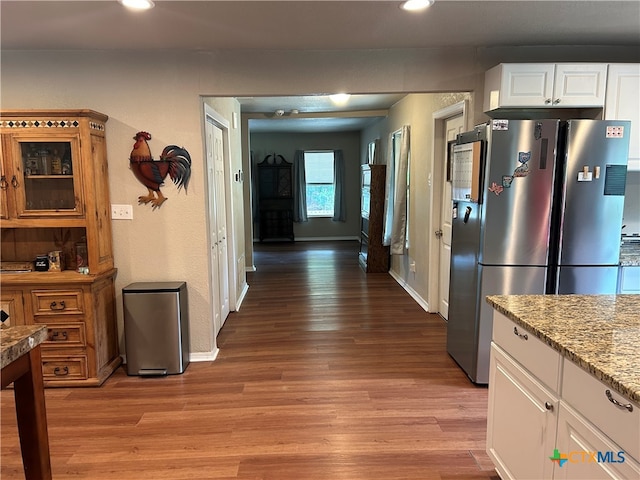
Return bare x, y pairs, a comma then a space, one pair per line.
540, 359
57, 302
64, 367
588, 396
65, 335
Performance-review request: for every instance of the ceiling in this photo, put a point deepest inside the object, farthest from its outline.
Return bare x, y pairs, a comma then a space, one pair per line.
208, 25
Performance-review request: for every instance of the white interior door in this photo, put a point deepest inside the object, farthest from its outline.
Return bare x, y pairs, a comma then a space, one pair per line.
217, 225
453, 126
221, 222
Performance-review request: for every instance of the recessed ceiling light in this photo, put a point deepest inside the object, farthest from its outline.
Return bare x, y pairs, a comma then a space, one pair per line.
137, 4
340, 98
416, 5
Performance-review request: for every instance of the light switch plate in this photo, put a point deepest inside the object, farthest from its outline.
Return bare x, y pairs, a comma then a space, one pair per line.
121, 212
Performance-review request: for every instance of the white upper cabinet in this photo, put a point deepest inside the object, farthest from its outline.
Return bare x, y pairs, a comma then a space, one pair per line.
546, 85
623, 103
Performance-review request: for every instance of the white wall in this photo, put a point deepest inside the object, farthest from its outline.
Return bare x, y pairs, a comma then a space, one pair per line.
161, 92
416, 111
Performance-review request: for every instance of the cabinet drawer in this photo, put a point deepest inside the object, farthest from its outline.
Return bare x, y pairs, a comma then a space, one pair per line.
588, 396
534, 355
56, 302
65, 335
64, 367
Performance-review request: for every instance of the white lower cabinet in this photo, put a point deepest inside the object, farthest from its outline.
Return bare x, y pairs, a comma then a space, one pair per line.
629, 279
559, 411
521, 421
589, 454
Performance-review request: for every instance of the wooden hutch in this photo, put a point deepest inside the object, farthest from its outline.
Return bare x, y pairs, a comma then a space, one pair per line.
54, 196
275, 198
373, 256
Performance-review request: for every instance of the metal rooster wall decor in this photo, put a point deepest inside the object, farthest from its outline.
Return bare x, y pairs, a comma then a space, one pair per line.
174, 161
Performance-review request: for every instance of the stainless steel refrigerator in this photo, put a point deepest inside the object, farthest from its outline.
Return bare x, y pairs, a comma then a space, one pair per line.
537, 210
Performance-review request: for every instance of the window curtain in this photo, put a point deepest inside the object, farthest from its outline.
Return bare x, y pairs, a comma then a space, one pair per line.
255, 208
399, 220
299, 188
339, 206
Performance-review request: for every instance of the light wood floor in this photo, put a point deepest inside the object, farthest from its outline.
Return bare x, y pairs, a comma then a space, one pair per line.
325, 373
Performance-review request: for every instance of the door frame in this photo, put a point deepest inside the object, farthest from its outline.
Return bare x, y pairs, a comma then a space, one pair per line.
213, 117
437, 142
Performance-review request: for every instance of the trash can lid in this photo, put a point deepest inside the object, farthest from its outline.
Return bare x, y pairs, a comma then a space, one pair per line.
145, 287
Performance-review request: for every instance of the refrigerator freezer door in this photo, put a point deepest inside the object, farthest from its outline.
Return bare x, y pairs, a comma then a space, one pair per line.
501, 281
463, 286
595, 177
583, 280
518, 192
471, 317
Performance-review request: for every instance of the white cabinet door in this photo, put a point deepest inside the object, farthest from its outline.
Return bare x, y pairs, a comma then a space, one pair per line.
585, 453
629, 281
579, 85
535, 85
623, 103
526, 84
521, 421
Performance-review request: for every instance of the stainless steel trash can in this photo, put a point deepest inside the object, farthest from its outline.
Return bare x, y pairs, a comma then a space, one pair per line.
156, 328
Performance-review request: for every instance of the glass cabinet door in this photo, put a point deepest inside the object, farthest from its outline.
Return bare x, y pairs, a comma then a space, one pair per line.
46, 181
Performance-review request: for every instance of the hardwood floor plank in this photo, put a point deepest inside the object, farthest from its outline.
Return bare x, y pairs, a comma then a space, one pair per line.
325, 373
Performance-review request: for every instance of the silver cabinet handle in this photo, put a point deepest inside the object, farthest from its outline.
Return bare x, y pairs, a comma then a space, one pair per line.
556, 101
547, 101
628, 406
524, 336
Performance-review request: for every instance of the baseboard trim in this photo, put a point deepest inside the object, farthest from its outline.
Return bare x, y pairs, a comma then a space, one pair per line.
193, 357
204, 356
325, 239
243, 294
419, 300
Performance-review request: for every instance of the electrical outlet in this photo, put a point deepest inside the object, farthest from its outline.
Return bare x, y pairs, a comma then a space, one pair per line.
121, 212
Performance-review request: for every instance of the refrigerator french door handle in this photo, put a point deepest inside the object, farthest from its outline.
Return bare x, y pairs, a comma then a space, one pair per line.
467, 213
544, 148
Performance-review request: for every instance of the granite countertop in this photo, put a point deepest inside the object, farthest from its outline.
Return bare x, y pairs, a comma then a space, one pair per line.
630, 254
17, 340
600, 333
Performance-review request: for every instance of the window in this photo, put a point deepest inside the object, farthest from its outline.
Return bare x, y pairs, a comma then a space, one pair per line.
319, 173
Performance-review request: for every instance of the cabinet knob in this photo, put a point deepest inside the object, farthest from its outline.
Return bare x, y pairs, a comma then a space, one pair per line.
548, 406
3, 183
547, 101
14, 182
438, 233
556, 101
